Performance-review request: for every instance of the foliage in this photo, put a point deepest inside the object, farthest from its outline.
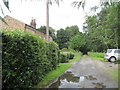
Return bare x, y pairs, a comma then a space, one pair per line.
101, 30
51, 31
64, 58
70, 55
64, 36
71, 31
64, 50
26, 58
78, 42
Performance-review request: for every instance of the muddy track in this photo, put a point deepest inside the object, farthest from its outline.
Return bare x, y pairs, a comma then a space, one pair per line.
87, 73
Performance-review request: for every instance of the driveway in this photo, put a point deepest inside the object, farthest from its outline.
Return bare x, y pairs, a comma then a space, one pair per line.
88, 73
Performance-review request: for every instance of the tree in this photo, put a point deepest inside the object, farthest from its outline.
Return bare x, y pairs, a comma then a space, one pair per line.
102, 29
71, 31
48, 2
51, 31
78, 42
62, 38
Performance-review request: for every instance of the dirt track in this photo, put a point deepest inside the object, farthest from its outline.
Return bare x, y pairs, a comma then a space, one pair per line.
88, 73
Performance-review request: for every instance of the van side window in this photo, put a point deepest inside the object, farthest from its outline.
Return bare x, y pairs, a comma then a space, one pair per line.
117, 51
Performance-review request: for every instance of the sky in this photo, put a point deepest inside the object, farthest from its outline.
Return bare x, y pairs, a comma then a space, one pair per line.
60, 16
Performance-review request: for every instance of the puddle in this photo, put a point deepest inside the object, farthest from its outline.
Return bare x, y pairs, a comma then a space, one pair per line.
90, 77
99, 85
68, 79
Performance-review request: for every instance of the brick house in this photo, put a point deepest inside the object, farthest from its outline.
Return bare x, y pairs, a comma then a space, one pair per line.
16, 24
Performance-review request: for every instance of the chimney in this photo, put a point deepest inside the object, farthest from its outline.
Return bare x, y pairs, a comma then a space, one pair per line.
33, 23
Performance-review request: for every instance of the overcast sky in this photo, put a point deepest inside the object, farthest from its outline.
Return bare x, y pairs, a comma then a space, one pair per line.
60, 17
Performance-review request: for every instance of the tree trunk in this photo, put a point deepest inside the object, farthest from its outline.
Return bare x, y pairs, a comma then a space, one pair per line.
47, 20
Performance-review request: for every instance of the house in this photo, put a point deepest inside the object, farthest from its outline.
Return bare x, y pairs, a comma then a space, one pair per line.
16, 24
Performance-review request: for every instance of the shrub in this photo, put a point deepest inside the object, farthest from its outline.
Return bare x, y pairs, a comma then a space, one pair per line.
71, 56
26, 58
64, 58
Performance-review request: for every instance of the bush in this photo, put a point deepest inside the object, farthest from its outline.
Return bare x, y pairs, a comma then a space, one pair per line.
64, 58
71, 56
26, 58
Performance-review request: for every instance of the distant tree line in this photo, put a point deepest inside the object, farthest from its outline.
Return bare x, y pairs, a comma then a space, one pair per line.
101, 32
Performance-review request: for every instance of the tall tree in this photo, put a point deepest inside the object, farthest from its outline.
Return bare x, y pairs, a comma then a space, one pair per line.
71, 31
48, 2
62, 38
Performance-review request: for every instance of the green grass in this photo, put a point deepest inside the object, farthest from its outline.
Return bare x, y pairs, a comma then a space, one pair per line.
53, 75
97, 56
76, 57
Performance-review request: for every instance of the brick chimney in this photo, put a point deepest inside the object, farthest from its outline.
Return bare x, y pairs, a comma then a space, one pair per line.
33, 23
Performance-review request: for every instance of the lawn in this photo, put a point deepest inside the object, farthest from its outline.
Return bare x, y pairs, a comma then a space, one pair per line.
62, 67
97, 56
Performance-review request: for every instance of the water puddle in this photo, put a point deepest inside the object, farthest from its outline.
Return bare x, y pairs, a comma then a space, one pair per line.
69, 80
99, 85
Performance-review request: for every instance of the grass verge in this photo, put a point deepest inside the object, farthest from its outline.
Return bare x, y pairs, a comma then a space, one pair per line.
97, 56
53, 75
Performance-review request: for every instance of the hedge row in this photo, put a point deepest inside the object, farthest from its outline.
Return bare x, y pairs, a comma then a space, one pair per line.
26, 58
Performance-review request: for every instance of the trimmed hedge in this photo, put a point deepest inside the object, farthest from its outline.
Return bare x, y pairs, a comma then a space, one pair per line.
26, 58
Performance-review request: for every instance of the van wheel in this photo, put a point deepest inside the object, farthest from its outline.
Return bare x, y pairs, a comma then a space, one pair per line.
112, 59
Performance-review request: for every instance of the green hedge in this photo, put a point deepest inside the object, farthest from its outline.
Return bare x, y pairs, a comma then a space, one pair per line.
26, 58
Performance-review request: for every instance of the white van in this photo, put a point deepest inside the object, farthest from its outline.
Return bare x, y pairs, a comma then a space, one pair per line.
112, 55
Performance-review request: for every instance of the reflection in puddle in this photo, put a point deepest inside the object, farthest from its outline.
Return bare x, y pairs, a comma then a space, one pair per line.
99, 85
66, 80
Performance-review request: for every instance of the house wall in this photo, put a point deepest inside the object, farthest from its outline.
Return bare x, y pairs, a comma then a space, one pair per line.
34, 31
16, 24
